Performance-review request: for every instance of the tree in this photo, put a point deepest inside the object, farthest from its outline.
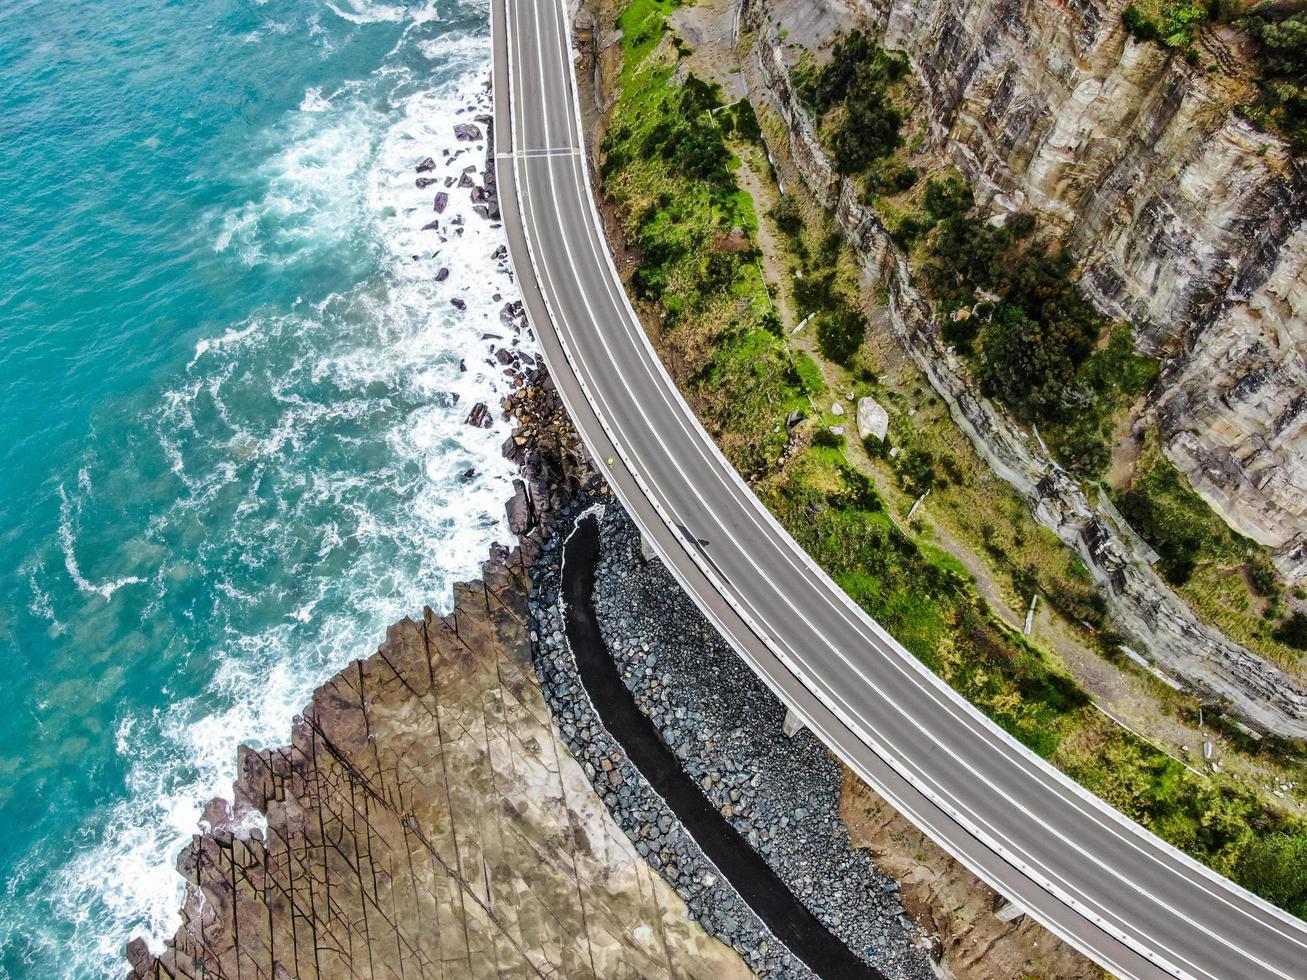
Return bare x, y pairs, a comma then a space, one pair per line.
1293, 631
1275, 867
840, 334
1025, 363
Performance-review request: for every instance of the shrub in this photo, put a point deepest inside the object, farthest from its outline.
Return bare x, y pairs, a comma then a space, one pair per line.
916, 471
1282, 50
1028, 364
1020, 224
947, 198
825, 437
1137, 25
840, 334
1275, 867
1167, 529
857, 78
1293, 631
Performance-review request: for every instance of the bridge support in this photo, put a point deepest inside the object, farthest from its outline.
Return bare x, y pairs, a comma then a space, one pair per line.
792, 724
1008, 912
646, 552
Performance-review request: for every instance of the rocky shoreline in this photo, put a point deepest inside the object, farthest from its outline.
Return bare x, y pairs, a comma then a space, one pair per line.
440, 809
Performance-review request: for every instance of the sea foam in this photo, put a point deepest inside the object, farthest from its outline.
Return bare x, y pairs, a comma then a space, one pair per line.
323, 467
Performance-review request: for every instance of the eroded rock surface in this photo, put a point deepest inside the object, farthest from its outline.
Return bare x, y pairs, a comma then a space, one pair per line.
1186, 219
426, 821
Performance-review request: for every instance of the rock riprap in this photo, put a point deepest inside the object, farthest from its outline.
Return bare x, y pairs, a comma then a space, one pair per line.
427, 821
780, 794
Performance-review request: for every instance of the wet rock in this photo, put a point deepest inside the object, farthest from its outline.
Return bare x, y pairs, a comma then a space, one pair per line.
441, 202
518, 510
425, 165
467, 132
424, 182
480, 416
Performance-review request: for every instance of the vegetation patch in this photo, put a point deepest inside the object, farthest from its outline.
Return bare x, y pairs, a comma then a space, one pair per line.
1280, 37
667, 165
1282, 46
851, 95
1227, 577
1010, 304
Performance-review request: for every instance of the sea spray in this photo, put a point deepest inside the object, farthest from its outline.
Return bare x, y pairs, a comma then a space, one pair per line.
289, 471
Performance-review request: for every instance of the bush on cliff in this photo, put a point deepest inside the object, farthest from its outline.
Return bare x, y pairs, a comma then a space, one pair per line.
840, 334
1012, 306
1283, 53
856, 82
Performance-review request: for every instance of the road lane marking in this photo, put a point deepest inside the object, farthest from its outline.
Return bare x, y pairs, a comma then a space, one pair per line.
540, 151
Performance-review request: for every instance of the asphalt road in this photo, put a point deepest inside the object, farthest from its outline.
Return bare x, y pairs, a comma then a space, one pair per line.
1127, 899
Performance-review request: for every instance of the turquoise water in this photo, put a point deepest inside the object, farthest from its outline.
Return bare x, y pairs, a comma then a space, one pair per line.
231, 423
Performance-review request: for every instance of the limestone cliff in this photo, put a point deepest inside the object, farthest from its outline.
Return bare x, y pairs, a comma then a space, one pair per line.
1184, 217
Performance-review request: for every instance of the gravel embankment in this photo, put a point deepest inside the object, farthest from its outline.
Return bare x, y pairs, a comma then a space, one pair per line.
780, 793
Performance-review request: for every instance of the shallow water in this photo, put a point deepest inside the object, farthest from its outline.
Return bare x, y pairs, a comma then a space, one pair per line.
232, 416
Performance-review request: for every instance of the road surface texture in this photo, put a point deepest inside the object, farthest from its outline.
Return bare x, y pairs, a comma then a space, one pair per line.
1121, 895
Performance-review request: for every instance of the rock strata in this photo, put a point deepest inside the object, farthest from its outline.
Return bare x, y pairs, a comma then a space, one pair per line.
1141, 604
1185, 218
425, 820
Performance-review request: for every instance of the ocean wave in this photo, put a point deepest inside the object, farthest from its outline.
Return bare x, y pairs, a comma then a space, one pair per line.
68, 544
309, 467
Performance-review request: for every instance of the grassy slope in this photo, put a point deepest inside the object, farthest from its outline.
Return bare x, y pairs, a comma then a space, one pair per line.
713, 316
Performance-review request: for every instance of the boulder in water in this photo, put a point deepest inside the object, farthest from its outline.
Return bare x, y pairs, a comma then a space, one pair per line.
480, 416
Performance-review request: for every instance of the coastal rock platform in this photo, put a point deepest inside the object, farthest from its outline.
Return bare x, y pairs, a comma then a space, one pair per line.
427, 821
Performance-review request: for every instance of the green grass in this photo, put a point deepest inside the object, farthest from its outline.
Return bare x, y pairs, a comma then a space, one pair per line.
1169, 515
809, 374
1172, 23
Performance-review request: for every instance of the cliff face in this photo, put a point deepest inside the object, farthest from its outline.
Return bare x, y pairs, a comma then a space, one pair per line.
1141, 604
1185, 218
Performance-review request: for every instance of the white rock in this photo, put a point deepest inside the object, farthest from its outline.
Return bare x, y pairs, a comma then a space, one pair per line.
873, 420
837, 409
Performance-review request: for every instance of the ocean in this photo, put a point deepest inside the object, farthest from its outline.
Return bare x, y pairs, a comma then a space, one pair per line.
232, 437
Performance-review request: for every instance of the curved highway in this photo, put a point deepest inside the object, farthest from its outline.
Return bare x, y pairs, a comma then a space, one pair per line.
1121, 895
